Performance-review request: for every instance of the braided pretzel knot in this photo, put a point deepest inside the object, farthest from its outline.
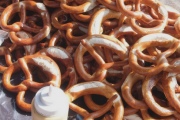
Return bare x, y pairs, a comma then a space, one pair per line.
60, 55
159, 60
95, 87
87, 45
44, 63
17, 26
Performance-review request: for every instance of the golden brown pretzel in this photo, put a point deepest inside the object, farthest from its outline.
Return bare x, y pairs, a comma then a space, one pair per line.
17, 26
159, 61
95, 87
98, 18
44, 63
87, 45
148, 84
158, 26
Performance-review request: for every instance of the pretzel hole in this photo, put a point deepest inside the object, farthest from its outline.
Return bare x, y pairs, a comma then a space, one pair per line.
29, 95
15, 18
17, 77
114, 79
77, 31
99, 99
137, 90
65, 18
33, 18
159, 97
2, 61
39, 75
131, 39
79, 102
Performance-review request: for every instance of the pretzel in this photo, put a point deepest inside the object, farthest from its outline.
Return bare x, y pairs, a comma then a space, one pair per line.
87, 45
63, 23
126, 89
162, 15
173, 15
122, 30
98, 18
60, 55
159, 60
79, 29
171, 87
95, 87
47, 65
147, 87
84, 7
17, 26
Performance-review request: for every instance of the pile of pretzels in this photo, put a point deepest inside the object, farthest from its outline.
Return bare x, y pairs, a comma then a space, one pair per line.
126, 52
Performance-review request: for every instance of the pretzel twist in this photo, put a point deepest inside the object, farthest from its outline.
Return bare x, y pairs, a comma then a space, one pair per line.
95, 87
87, 45
160, 60
17, 26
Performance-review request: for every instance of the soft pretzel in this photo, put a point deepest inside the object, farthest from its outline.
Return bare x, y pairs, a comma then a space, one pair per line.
159, 61
87, 45
95, 87
17, 26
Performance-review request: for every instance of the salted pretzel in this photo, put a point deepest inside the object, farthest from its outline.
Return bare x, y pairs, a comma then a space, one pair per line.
44, 64
159, 59
60, 55
87, 46
95, 87
84, 7
21, 25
